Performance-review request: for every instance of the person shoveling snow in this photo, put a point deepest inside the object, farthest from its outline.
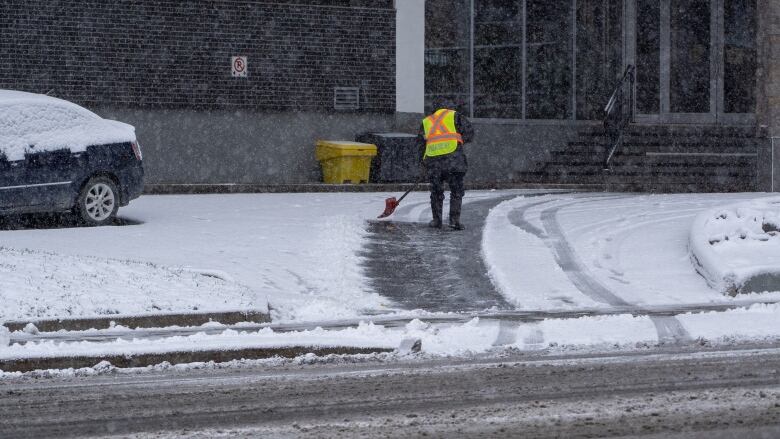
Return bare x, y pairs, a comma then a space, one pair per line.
443, 133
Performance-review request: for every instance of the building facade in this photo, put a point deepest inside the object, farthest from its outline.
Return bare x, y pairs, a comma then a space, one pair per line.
534, 75
538, 74
164, 66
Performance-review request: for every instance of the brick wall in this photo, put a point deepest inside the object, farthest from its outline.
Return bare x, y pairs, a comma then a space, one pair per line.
176, 54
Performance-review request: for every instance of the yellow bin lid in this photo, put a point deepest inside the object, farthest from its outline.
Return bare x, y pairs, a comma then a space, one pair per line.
327, 149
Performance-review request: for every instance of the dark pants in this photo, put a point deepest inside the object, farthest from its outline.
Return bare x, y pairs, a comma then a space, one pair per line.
437, 177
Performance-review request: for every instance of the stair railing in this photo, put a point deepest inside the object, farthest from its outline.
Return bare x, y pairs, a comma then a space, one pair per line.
619, 112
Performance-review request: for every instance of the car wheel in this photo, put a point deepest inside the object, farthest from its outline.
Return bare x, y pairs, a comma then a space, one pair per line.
98, 201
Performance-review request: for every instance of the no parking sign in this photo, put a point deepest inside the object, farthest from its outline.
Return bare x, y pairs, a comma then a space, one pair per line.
238, 66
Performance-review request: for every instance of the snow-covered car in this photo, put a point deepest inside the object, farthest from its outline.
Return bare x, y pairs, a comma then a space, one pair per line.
56, 156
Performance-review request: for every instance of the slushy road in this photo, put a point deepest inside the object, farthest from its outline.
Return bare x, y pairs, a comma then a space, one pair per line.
694, 391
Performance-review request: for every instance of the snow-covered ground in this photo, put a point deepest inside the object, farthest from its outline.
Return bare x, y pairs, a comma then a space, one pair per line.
298, 252
301, 254
603, 250
39, 285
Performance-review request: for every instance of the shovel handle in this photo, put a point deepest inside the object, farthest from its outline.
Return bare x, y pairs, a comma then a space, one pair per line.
416, 183
407, 192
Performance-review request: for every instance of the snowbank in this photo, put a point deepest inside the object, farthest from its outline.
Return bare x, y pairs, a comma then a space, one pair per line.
365, 336
41, 285
33, 123
737, 248
758, 321
623, 329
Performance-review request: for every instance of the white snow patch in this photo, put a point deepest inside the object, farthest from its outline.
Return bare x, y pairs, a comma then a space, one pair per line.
367, 335
731, 244
45, 285
471, 337
522, 266
758, 321
620, 329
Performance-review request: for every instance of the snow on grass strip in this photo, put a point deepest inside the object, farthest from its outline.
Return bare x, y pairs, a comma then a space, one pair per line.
618, 330
522, 266
366, 335
759, 321
44, 285
736, 248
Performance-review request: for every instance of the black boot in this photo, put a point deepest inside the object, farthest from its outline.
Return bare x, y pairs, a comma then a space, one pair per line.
436, 209
455, 205
455, 223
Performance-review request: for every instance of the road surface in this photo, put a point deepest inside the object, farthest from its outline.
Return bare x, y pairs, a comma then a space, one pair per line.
692, 392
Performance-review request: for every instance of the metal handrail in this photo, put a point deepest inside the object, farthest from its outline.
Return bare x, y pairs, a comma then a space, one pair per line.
619, 112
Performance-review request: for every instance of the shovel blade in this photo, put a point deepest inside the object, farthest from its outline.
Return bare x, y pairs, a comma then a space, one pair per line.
390, 205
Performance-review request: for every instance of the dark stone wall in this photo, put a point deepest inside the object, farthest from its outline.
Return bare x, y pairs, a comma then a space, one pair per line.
176, 54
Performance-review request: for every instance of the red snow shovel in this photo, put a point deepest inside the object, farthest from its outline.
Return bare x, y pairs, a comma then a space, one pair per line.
391, 203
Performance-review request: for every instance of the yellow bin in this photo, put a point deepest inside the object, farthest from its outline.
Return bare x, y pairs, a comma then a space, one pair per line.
345, 162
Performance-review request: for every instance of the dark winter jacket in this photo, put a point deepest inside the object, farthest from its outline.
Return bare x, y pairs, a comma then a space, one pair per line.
455, 162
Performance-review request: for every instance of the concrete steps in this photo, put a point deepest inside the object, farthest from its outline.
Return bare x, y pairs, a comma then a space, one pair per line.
658, 159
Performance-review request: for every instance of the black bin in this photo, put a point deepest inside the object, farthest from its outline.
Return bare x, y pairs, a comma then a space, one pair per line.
397, 157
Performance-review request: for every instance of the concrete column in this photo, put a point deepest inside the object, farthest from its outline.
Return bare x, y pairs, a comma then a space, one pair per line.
768, 105
410, 62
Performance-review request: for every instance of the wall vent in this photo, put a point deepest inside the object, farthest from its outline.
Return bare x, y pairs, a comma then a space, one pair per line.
346, 98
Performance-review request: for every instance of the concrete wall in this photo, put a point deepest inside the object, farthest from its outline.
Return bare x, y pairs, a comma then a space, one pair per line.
768, 110
501, 150
183, 146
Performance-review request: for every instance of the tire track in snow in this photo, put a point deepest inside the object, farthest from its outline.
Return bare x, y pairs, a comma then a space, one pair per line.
669, 329
571, 264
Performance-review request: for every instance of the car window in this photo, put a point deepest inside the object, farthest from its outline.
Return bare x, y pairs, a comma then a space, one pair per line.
26, 124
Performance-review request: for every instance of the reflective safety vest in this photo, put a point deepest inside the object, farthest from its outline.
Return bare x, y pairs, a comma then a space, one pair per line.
441, 136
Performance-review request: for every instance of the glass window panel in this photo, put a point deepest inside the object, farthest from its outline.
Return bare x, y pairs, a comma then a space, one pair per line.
739, 54
549, 63
498, 22
447, 63
689, 90
648, 56
599, 55
498, 82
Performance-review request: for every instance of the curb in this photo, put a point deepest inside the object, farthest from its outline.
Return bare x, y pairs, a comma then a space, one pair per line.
144, 360
148, 321
239, 188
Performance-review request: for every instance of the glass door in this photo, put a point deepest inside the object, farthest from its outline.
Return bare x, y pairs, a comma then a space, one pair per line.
674, 48
695, 60
691, 71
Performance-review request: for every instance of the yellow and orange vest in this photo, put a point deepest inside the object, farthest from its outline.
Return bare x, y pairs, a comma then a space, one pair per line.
441, 136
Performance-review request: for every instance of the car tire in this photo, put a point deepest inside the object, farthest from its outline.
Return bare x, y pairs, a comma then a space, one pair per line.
98, 202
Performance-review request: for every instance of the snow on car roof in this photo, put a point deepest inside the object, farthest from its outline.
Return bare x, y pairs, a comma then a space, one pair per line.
32, 122
14, 97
